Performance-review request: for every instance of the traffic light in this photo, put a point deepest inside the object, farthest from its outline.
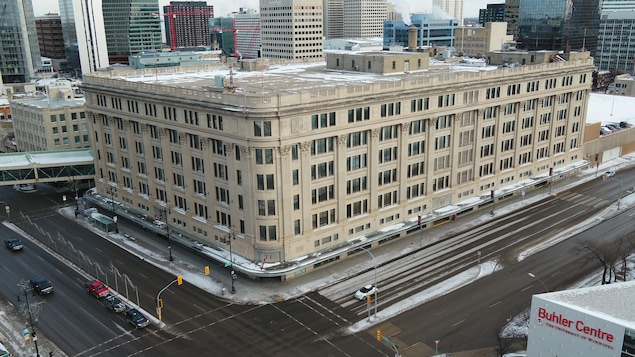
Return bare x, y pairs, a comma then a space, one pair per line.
179, 280
368, 299
379, 335
207, 270
160, 303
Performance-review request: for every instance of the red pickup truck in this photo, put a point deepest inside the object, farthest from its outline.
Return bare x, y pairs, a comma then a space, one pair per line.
97, 288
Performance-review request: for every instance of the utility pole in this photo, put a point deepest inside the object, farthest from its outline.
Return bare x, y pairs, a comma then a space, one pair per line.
167, 230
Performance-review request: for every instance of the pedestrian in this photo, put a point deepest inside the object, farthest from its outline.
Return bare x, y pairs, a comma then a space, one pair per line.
76, 213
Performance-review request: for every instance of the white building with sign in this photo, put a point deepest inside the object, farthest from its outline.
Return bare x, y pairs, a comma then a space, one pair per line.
598, 321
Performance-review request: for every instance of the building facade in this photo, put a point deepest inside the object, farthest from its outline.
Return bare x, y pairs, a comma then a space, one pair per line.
333, 19
50, 36
554, 25
187, 23
53, 122
295, 163
19, 47
477, 41
453, 8
615, 49
493, 13
364, 18
131, 27
291, 29
431, 30
84, 35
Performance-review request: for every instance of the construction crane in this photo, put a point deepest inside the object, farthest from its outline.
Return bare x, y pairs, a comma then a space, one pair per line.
171, 15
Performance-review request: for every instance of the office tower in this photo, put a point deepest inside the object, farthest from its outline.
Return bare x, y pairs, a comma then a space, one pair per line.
19, 48
132, 26
300, 162
84, 35
431, 30
511, 16
333, 19
364, 18
239, 34
493, 13
453, 8
50, 36
618, 5
291, 29
554, 25
187, 24
617, 24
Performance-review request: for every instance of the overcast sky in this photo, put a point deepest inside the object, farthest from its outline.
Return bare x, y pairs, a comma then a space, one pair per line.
223, 7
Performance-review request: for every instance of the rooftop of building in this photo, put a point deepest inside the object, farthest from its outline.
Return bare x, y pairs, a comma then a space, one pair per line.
51, 103
612, 301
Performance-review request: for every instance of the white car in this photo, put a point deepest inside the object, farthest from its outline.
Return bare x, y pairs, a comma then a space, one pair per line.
24, 187
609, 173
367, 290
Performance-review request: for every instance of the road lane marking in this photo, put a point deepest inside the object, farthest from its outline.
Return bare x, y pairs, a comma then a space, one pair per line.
494, 304
527, 288
440, 312
458, 323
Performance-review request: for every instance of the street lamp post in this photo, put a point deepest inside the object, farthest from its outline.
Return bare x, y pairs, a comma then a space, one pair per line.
375, 283
167, 230
28, 307
112, 190
541, 282
619, 195
232, 273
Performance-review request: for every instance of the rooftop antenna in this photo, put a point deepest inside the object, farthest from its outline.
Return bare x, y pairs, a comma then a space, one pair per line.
583, 49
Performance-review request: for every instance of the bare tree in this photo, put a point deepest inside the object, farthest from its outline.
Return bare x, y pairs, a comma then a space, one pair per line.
609, 255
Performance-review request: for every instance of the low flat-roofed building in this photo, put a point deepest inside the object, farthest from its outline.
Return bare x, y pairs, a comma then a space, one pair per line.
597, 321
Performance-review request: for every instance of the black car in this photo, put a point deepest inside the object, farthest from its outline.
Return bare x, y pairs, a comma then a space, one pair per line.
114, 304
136, 319
13, 244
41, 285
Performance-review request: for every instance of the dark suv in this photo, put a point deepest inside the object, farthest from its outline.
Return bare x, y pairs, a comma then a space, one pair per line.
41, 285
13, 244
136, 319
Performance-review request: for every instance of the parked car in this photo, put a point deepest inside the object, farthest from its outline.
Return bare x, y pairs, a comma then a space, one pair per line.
41, 285
24, 187
114, 304
609, 173
13, 244
604, 130
97, 288
136, 319
613, 126
624, 124
367, 290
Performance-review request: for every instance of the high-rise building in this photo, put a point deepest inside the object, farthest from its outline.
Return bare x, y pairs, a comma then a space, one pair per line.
301, 163
431, 30
132, 26
617, 23
333, 19
84, 35
493, 13
187, 23
618, 5
364, 18
50, 36
291, 29
511, 16
240, 30
19, 48
554, 25
453, 8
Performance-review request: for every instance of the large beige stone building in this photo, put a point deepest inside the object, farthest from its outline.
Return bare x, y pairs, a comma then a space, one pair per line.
295, 161
477, 41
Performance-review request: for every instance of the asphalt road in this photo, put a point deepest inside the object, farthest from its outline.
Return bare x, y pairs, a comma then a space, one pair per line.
198, 323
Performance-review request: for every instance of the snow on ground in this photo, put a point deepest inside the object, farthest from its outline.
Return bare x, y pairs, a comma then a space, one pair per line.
608, 108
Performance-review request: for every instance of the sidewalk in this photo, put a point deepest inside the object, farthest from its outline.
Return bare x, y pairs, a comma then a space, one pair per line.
188, 264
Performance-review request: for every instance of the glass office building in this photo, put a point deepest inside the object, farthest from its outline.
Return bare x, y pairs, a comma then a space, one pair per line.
19, 47
554, 24
132, 26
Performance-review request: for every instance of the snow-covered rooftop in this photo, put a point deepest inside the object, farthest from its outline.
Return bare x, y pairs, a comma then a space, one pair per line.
612, 301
